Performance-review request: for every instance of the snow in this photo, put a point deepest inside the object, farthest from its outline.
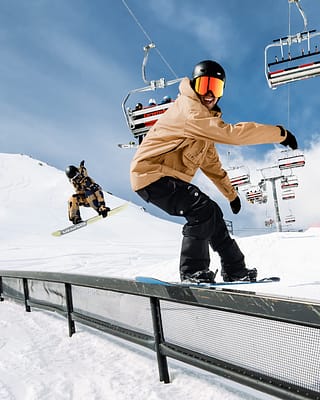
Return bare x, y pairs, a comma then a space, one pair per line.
38, 359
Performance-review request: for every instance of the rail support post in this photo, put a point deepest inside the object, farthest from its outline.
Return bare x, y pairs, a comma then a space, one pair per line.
69, 304
1, 290
158, 336
26, 294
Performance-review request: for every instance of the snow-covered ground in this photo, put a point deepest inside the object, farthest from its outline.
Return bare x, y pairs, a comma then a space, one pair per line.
39, 361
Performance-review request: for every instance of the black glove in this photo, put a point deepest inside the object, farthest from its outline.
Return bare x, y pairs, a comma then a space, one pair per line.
82, 163
235, 205
290, 140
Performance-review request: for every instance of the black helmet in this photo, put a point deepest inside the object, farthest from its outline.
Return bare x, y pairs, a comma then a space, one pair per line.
208, 76
208, 68
72, 171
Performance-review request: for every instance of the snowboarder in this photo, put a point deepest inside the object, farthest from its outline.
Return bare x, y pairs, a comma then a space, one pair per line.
182, 141
88, 193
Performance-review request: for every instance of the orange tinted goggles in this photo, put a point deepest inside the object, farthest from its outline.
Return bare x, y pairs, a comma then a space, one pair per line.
205, 83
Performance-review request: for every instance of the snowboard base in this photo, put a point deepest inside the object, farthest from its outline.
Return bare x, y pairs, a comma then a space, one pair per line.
91, 220
154, 281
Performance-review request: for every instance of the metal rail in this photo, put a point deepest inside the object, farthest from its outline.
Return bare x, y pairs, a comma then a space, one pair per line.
165, 318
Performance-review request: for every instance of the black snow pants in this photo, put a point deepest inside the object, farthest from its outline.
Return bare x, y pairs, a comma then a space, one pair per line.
205, 225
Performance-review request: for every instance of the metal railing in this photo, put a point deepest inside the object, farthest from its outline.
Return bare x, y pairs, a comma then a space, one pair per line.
266, 342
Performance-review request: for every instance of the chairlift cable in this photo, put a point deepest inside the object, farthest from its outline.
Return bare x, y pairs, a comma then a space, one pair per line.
149, 38
288, 109
288, 87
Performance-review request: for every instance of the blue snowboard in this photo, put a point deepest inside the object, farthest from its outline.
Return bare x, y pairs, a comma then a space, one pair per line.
154, 281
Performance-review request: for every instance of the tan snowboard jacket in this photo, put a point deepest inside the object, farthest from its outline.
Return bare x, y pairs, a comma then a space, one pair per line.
183, 140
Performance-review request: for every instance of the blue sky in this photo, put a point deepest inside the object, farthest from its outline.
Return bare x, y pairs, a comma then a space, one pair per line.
66, 66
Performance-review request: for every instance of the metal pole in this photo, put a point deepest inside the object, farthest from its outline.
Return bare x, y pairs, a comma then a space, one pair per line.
276, 205
26, 294
69, 303
158, 336
1, 289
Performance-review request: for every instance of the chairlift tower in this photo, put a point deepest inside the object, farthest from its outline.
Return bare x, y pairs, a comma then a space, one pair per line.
274, 176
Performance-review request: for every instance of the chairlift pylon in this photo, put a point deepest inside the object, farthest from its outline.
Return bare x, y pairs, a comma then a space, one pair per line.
294, 57
140, 119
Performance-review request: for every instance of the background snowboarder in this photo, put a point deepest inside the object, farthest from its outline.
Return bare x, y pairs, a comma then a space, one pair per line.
88, 193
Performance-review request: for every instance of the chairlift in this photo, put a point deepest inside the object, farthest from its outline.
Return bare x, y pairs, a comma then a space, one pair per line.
292, 159
256, 195
140, 119
288, 194
289, 219
130, 145
294, 57
302, 65
239, 176
290, 181
263, 185
268, 222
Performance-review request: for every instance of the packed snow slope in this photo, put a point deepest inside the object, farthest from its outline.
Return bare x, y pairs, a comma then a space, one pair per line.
37, 356
33, 198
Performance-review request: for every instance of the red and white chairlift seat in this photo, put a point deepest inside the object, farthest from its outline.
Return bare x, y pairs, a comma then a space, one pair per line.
292, 74
288, 194
256, 195
294, 159
289, 181
239, 176
140, 121
240, 180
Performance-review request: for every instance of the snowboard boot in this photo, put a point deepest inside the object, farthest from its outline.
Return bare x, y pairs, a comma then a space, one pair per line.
199, 277
76, 220
244, 274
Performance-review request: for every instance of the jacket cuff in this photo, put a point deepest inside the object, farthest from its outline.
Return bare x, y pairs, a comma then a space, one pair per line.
283, 132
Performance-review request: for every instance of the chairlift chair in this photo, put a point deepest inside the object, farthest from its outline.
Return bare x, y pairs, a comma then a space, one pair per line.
140, 121
268, 222
288, 64
288, 194
263, 185
293, 57
239, 176
289, 219
290, 181
292, 159
256, 195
